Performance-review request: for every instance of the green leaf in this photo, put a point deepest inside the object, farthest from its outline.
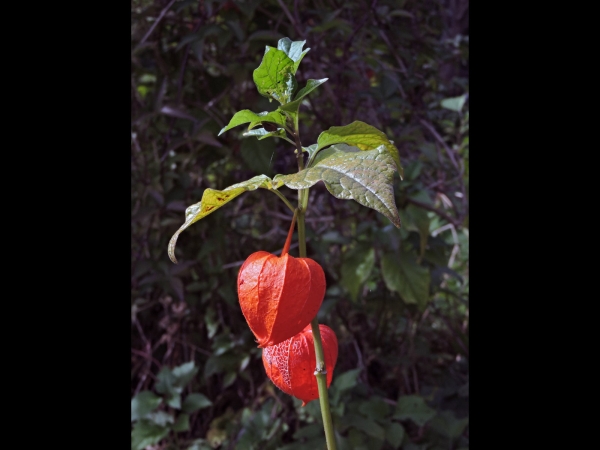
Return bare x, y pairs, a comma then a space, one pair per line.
185, 373
166, 382
194, 402
356, 268
413, 407
448, 425
420, 220
405, 276
143, 403
274, 78
258, 156
161, 418
361, 135
347, 380
145, 433
261, 133
311, 85
365, 177
364, 424
374, 408
245, 116
175, 401
182, 423
293, 50
213, 200
394, 434
454, 103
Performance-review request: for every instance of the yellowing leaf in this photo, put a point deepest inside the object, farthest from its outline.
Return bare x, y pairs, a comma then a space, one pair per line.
213, 200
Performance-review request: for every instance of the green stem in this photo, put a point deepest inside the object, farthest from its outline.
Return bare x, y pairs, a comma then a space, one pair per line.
285, 200
320, 371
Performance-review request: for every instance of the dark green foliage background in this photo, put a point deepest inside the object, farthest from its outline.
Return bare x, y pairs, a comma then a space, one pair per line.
397, 299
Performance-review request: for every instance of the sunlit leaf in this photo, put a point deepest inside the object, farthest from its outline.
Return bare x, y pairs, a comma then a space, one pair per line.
311, 85
365, 177
361, 135
261, 133
245, 116
293, 50
213, 200
274, 78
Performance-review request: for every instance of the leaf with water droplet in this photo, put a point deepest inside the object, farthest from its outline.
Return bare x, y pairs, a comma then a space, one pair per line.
213, 200
364, 176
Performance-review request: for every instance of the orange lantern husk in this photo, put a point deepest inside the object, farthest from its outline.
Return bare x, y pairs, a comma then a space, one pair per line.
279, 296
291, 364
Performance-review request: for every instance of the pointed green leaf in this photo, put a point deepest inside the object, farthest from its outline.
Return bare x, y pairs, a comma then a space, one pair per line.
454, 103
413, 407
311, 85
145, 433
405, 276
361, 135
213, 200
143, 403
246, 116
356, 268
261, 133
293, 50
184, 373
274, 78
394, 434
347, 380
365, 177
194, 402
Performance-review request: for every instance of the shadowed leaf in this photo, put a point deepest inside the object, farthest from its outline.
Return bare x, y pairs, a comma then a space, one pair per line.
413, 407
405, 276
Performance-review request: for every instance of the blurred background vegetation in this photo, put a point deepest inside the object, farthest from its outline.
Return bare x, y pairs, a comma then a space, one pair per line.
397, 299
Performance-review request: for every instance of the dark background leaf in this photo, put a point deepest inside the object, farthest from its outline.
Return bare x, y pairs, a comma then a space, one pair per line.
395, 65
